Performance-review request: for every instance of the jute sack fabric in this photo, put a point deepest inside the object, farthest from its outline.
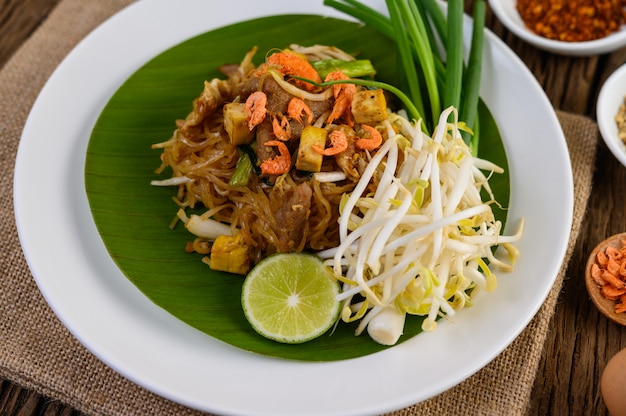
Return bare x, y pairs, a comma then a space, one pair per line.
36, 350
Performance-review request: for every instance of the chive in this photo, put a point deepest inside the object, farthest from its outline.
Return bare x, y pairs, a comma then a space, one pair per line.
363, 13
419, 34
431, 9
475, 138
243, 170
406, 55
434, 35
471, 87
454, 55
353, 69
409, 26
436, 32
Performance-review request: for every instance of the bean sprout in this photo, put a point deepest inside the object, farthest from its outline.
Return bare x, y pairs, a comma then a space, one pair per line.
423, 243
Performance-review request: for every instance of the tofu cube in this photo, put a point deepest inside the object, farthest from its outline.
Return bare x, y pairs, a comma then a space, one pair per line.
308, 159
369, 106
230, 254
236, 124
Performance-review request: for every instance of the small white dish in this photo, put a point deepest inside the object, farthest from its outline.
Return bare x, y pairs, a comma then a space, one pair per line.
507, 12
609, 100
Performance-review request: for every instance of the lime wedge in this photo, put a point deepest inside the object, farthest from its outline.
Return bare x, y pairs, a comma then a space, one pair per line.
290, 297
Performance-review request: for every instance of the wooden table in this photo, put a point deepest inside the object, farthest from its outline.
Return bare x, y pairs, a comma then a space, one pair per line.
580, 340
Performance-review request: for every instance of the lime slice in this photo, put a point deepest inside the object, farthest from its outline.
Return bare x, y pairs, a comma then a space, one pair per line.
290, 297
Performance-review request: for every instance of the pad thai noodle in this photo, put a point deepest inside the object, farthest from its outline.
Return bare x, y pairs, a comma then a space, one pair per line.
271, 155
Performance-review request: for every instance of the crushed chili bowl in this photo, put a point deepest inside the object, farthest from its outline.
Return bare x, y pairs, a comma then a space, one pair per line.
605, 306
506, 12
610, 98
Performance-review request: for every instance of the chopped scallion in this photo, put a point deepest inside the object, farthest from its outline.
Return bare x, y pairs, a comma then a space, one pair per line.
353, 69
420, 30
243, 170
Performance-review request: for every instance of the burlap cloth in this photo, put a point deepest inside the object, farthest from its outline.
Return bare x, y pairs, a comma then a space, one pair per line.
37, 351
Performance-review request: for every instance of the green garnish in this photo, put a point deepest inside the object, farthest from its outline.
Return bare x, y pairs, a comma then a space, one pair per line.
243, 170
354, 69
432, 77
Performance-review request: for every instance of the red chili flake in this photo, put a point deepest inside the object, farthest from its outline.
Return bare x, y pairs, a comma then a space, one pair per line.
573, 20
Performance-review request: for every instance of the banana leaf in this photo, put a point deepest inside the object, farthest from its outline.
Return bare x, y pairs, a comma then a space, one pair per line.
133, 217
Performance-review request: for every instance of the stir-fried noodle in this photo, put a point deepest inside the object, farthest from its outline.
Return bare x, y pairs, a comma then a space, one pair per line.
292, 211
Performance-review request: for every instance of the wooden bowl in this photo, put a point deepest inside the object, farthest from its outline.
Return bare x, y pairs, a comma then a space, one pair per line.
606, 306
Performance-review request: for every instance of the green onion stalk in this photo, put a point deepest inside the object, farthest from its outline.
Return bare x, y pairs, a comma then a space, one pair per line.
431, 48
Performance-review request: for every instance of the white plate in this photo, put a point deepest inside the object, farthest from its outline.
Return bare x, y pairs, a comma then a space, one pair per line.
148, 346
506, 11
611, 97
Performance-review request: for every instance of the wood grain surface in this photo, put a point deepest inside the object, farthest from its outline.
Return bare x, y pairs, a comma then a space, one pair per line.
580, 340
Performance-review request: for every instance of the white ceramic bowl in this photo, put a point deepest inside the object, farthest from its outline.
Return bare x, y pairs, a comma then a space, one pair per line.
506, 11
610, 98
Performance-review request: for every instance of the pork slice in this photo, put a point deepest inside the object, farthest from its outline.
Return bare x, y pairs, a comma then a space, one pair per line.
292, 207
246, 87
263, 135
277, 98
319, 107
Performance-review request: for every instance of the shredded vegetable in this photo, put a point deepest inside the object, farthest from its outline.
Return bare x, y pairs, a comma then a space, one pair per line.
423, 243
418, 243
